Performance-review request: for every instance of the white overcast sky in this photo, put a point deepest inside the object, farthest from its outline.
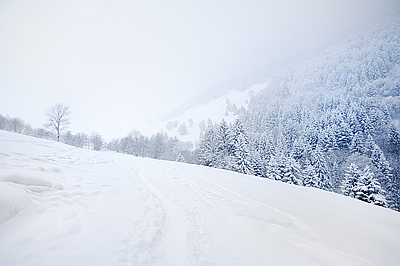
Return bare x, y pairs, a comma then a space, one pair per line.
119, 63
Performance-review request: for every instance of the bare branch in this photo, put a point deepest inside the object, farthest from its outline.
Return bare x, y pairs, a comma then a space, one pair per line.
58, 119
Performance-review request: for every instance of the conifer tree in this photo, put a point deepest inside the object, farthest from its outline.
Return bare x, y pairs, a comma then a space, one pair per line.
377, 157
274, 168
351, 181
207, 155
239, 142
394, 140
357, 143
369, 189
308, 175
180, 158
343, 135
291, 172
378, 160
321, 177
222, 148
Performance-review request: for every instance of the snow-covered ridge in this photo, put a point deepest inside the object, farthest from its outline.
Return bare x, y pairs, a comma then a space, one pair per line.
61, 205
187, 125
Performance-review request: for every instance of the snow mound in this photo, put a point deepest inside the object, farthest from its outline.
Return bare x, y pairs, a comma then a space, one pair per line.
13, 200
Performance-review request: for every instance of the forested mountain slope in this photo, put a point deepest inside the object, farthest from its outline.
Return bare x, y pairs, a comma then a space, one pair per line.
325, 121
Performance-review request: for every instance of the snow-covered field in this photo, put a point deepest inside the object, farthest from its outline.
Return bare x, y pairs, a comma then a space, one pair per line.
61, 205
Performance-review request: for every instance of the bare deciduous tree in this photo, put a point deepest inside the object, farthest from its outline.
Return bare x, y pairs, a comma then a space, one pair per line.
97, 141
16, 125
58, 119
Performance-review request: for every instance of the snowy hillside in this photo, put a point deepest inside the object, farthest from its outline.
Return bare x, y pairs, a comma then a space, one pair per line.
186, 124
322, 120
61, 205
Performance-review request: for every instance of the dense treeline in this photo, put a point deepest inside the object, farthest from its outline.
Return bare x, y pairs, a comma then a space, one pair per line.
80, 140
331, 122
18, 125
158, 146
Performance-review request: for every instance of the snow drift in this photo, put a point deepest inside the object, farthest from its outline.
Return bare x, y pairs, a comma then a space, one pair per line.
61, 205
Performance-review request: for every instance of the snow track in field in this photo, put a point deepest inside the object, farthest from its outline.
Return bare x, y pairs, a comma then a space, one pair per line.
170, 231
140, 245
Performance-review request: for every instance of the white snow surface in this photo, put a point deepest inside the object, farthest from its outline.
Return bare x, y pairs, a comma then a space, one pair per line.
61, 205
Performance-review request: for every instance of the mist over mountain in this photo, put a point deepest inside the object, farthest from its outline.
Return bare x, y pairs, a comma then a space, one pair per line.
316, 119
362, 65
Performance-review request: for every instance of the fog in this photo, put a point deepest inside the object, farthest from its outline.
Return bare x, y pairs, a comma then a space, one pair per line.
117, 64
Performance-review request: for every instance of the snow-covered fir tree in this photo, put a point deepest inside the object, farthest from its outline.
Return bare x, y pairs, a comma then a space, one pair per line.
207, 152
320, 176
180, 158
223, 150
369, 190
309, 174
351, 181
292, 172
274, 168
239, 143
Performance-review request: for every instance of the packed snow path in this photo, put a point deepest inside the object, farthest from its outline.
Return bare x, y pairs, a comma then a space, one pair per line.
65, 206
